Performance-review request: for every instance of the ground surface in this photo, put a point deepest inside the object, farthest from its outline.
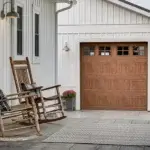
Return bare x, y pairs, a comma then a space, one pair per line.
61, 146
38, 143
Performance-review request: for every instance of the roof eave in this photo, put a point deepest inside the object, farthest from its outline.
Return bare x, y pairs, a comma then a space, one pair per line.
135, 5
131, 6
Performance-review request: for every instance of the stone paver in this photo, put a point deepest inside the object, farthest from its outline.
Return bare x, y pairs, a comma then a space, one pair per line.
140, 121
131, 148
107, 121
123, 121
15, 145
108, 147
84, 147
52, 146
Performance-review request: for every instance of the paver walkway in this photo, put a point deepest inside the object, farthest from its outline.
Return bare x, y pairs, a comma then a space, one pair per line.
128, 117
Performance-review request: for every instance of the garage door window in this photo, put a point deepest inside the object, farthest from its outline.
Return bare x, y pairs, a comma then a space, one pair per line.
139, 50
89, 51
123, 50
104, 51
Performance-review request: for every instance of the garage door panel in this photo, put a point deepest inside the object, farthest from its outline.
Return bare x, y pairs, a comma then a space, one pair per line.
113, 81
128, 66
123, 100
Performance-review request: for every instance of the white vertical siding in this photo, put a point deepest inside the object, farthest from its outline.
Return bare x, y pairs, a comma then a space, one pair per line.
44, 72
87, 12
69, 62
5, 52
63, 17
95, 21
101, 12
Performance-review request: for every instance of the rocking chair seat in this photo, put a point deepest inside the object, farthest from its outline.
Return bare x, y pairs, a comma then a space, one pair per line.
55, 97
38, 99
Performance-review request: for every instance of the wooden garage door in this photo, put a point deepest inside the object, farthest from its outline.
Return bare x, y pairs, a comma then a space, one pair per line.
114, 76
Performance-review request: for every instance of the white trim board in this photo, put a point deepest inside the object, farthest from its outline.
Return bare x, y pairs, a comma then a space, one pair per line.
103, 28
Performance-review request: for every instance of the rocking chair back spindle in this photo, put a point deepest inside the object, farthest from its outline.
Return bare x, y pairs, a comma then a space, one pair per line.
22, 73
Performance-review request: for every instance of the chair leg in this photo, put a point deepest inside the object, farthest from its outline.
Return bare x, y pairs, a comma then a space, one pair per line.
43, 105
36, 118
60, 101
23, 115
38, 111
2, 125
29, 117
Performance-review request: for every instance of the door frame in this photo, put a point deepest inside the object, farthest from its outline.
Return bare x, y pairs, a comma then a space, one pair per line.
102, 40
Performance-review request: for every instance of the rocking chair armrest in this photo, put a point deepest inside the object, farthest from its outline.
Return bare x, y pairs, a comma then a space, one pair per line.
52, 87
18, 94
19, 97
35, 88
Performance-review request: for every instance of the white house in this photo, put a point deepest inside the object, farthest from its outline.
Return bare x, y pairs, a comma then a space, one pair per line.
33, 34
108, 62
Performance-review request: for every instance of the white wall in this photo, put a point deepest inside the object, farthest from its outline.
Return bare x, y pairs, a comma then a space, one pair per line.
95, 21
5, 52
44, 71
99, 12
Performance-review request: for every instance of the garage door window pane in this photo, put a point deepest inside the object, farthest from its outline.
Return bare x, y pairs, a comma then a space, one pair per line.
89, 51
123, 50
104, 51
126, 53
139, 50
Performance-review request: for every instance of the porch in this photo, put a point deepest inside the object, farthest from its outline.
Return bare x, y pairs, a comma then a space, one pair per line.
87, 119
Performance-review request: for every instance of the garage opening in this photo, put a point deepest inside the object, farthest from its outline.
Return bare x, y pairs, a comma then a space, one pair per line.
114, 76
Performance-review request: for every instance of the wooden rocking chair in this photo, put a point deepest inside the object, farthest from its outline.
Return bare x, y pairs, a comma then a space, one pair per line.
29, 110
22, 75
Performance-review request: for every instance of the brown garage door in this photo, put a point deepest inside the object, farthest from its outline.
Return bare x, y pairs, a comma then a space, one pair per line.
114, 76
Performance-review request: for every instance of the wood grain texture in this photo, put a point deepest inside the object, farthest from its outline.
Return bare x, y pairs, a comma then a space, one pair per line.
114, 82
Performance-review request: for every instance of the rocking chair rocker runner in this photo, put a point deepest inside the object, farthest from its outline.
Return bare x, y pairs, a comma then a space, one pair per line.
24, 82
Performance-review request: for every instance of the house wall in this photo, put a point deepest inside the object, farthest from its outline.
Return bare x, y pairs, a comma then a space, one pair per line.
5, 52
43, 70
99, 12
95, 21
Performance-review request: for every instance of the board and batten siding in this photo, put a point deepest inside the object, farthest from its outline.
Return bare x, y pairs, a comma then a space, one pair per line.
5, 52
99, 12
44, 70
95, 21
